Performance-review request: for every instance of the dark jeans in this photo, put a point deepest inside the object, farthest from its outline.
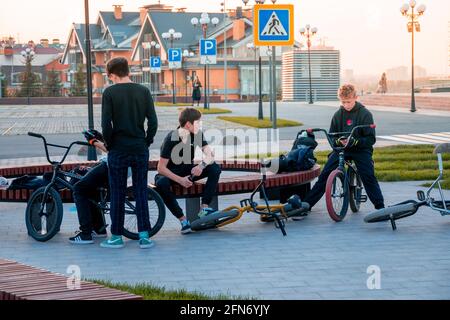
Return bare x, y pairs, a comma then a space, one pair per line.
163, 186
118, 163
364, 164
85, 190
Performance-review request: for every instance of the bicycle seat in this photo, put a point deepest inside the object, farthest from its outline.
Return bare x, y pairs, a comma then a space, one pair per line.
442, 148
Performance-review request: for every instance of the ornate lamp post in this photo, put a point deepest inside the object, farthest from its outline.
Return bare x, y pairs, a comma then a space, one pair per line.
205, 22
92, 154
413, 25
171, 36
154, 50
28, 55
309, 33
187, 54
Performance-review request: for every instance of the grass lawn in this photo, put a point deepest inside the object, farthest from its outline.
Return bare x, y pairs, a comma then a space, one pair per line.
211, 110
401, 163
150, 292
170, 104
255, 123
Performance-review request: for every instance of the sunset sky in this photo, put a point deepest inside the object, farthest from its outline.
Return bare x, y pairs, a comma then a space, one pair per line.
371, 35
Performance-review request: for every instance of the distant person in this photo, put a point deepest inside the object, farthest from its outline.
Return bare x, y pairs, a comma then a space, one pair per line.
196, 91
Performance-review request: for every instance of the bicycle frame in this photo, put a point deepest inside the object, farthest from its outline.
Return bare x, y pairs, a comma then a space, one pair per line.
430, 201
249, 205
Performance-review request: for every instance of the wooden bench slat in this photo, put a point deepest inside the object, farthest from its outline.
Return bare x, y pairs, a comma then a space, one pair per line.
22, 282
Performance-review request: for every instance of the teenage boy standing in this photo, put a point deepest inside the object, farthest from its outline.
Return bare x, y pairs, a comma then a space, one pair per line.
125, 107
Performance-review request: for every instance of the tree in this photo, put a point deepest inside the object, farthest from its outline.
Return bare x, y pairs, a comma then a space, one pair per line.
79, 82
30, 81
3, 85
53, 85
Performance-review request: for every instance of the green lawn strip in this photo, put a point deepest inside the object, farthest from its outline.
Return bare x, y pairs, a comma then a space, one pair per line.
399, 163
170, 104
255, 123
211, 110
151, 292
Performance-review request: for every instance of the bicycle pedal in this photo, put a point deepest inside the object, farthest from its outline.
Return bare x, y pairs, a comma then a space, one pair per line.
421, 195
363, 198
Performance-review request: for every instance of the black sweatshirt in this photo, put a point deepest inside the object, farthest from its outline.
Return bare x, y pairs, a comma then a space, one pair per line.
344, 121
125, 107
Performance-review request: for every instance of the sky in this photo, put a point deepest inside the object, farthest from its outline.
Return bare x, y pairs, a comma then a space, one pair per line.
371, 35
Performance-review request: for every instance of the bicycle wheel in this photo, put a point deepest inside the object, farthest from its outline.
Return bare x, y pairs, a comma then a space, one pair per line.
214, 219
355, 191
336, 194
156, 210
42, 226
396, 212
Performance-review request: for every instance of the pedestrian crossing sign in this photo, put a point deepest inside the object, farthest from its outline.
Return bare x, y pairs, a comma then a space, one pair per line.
273, 25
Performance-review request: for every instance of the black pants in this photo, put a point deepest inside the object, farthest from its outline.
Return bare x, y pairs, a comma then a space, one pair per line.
364, 164
118, 163
89, 216
163, 186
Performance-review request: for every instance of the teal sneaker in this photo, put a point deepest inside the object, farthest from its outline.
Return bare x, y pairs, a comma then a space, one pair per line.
115, 242
205, 212
144, 240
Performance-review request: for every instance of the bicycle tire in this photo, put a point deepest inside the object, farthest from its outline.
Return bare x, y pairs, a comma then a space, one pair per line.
395, 212
131, 230
214, 219
54, 209
339, 214
354, 203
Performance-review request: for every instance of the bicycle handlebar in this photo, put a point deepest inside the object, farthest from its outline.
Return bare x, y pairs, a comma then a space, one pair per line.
36, 135
331, 142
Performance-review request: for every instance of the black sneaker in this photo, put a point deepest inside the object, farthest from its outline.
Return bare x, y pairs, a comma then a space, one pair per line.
81, 238
185, 227
99, 234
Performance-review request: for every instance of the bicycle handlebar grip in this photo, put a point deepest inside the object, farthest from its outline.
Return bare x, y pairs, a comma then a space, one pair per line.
83, 143
36, 135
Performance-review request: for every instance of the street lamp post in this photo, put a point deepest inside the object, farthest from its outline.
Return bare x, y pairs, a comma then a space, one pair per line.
186, 54
413, 25
92, 154
251, 46
205, 21
28, 55
171, 36
225, 56
154, 48
269, 54
309, 32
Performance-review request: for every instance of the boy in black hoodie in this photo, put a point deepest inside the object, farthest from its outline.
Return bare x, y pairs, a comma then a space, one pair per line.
351, 114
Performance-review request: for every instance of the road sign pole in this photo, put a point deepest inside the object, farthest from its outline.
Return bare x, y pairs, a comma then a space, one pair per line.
270, 88
274, 86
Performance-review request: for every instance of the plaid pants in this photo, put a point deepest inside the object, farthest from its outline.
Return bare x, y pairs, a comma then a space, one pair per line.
118, 164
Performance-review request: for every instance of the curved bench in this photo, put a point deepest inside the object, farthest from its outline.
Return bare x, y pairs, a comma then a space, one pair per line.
23, 282
279, 186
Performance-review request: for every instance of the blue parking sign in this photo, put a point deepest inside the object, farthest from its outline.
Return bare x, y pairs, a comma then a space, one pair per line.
155, 62
208, 51
174, 57
208, 47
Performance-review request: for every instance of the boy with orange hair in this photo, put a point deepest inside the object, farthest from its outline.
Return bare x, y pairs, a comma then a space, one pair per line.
351, 114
